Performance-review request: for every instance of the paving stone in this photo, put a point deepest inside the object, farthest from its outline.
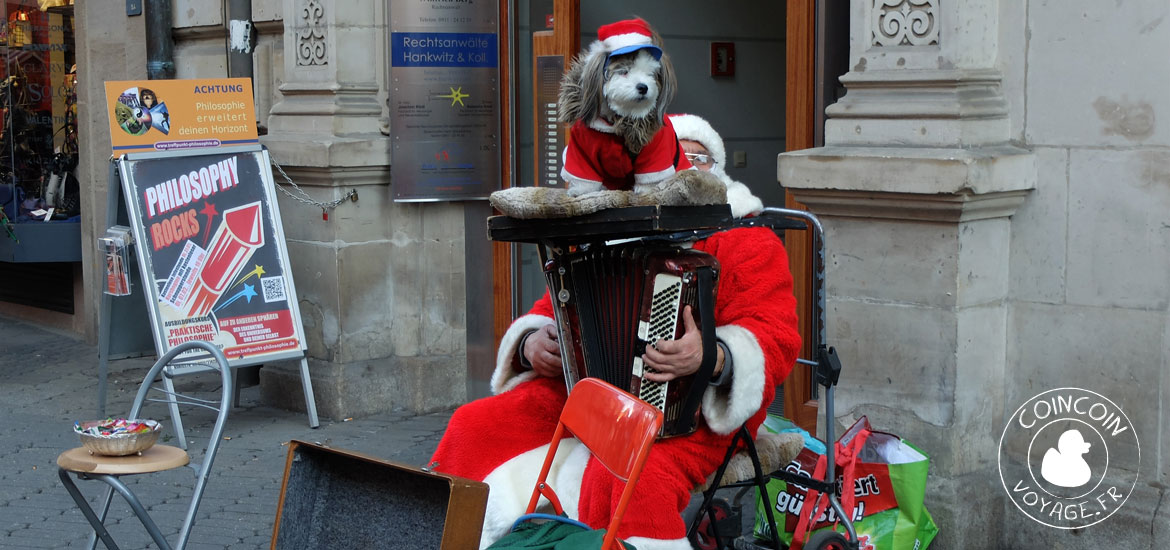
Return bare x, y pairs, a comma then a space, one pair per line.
41, 399
20, 540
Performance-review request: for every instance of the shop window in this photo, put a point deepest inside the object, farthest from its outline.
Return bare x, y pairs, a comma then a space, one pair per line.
40, 206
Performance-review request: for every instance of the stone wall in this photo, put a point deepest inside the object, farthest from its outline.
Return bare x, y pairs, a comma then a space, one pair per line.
381, 284
103, 53
995, 197
1090, 249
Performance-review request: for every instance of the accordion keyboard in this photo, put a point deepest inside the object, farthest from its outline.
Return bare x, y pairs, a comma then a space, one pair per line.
612, 302
661, 326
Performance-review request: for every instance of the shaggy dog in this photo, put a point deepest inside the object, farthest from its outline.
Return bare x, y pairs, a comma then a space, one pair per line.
622, 150
615, 96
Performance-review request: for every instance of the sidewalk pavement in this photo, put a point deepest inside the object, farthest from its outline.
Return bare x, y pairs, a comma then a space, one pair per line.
48, 380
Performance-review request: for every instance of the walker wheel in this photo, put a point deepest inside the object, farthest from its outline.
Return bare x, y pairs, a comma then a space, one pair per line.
828, 540
703, 537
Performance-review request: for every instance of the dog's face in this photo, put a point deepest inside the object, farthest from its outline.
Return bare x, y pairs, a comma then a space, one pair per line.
632, 83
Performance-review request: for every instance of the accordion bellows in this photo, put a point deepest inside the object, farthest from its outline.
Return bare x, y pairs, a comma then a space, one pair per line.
610, 302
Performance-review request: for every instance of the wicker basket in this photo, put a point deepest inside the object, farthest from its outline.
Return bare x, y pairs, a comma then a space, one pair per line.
119, 444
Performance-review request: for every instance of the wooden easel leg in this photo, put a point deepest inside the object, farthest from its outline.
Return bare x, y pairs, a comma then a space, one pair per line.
310, 400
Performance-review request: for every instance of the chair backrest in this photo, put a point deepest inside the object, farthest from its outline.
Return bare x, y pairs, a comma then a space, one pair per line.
217, 362
615, 426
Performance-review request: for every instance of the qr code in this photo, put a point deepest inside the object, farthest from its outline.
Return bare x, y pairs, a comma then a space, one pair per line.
273, 289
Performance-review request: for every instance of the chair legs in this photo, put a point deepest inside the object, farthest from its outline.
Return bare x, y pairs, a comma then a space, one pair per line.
98, 523
99, 527
109, 498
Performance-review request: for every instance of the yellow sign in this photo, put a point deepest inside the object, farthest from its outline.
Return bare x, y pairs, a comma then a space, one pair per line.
171, 115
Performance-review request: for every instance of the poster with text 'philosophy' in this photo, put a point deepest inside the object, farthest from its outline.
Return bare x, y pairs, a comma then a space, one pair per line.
175, 115
210, 239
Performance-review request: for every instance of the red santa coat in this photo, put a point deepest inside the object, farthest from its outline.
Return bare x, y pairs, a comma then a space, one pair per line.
502, 439
596, 157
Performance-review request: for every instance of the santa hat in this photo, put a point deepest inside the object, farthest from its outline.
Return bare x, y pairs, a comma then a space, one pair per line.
743, 202
628, 36
695, 128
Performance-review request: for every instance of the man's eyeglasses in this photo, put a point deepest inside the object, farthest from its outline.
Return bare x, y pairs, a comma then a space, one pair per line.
700, 159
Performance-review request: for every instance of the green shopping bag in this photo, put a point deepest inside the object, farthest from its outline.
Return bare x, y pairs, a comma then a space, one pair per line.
550, 532
888, 480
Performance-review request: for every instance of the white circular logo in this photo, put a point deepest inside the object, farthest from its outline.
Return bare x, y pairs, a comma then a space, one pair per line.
1068, 458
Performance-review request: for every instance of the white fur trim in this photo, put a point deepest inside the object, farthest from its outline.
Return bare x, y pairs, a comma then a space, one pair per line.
741, 199
508, 372
510, 486
578, 186
695, 128
724, 411
629, 39
565, 476
601, 126
643, 543
653, 177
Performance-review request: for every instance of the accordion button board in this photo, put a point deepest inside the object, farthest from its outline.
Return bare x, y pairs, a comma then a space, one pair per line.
612, 302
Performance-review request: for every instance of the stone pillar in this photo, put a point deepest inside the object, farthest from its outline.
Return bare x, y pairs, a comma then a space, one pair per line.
916, 186
380, 284
103, 53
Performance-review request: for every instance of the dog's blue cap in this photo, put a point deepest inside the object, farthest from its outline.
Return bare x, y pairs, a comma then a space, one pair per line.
654, 50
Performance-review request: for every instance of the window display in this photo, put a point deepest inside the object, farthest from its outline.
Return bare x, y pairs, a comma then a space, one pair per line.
38, 102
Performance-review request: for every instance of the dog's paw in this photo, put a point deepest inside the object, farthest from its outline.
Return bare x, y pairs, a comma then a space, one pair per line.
578, 187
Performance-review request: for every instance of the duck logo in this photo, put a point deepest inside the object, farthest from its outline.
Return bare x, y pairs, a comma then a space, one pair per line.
1069, 458
1065, 465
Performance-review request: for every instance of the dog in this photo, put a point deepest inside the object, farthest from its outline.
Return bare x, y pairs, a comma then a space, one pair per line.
615, 96
622, 149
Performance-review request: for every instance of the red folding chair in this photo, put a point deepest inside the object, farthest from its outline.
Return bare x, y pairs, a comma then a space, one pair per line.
617, 428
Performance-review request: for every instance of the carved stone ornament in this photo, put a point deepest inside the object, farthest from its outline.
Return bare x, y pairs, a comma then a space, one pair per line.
311, 34
904, 23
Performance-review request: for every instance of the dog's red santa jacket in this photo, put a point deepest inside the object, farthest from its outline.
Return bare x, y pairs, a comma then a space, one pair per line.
595, 154
502, 440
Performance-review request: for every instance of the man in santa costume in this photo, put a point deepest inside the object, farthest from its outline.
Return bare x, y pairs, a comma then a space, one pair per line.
502, 439
704, 149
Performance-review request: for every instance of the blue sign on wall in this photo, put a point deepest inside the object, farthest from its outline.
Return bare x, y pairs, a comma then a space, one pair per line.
443, 49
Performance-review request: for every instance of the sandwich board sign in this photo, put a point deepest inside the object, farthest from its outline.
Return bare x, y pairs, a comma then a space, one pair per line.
208, 235
211, 242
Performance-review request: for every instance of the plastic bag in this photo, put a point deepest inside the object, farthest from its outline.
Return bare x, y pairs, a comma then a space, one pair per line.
888, 480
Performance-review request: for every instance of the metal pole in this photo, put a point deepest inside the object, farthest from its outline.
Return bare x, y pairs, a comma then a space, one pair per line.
160, 46
239, 37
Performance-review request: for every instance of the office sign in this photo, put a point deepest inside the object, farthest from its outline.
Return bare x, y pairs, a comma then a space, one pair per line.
444, 99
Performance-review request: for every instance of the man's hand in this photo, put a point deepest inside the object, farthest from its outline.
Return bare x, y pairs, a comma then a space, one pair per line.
542, 350
674, 358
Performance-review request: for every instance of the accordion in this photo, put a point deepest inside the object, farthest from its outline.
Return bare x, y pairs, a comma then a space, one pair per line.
610, 302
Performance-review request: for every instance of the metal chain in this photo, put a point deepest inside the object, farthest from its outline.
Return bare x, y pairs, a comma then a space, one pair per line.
304, 197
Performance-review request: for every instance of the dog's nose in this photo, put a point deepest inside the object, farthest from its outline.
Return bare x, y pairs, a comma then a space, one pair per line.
642, 89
